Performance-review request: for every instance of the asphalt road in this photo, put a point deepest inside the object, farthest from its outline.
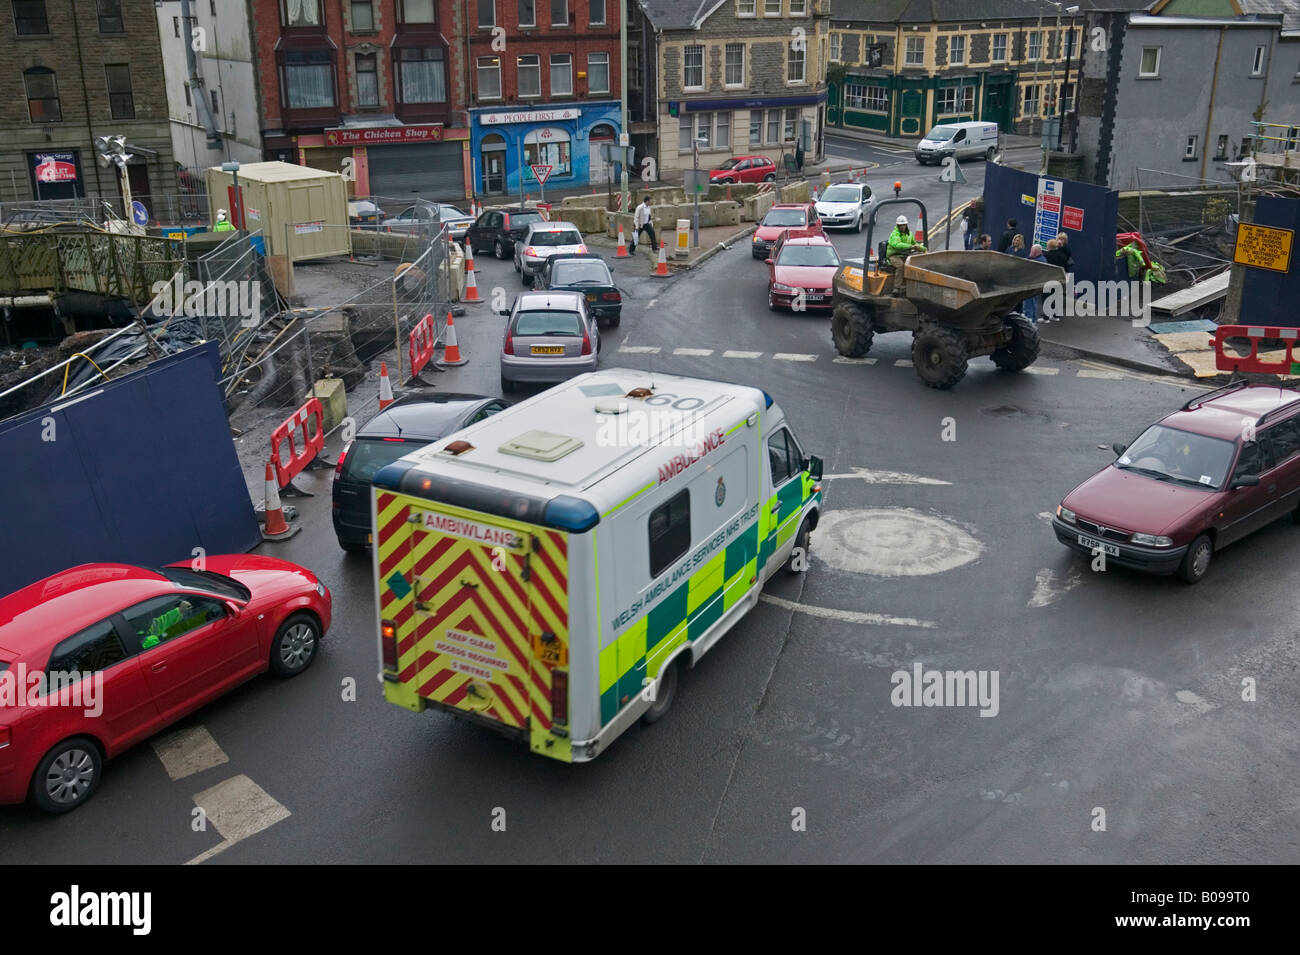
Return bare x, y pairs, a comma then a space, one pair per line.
1118, 694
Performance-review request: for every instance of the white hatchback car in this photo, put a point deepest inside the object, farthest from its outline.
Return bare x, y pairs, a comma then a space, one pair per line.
543, 240
844, 205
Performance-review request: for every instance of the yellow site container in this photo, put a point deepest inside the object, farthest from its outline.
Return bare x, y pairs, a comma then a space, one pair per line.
301, 212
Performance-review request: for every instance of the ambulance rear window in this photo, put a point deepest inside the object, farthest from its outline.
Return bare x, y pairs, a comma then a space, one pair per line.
670, 532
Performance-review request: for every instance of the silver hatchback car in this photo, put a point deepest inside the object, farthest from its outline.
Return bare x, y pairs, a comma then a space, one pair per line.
543, 240
550, 337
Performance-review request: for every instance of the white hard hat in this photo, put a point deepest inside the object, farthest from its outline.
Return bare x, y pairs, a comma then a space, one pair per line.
901, 220
221, 214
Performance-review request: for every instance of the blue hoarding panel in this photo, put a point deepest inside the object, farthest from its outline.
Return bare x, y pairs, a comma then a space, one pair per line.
1267, 297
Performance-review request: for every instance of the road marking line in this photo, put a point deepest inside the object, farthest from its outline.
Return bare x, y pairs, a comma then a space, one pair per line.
887, 477
1138, 375
788, 356
1098, 373
1048, 589
742, 354
640, 349
903, 363
693, 352
841, 360
237, 808
848, 616
1035, 370
188, 751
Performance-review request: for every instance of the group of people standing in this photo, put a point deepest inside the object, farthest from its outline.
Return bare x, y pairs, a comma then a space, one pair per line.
1012, 242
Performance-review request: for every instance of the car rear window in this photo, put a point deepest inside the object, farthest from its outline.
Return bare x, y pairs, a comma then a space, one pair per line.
525, 218
368, 455
565, 237
580, 273
784, 217
547, 323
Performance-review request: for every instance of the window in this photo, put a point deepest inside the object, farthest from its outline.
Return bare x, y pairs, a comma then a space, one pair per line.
1286, 439
110, 16
1221, 150
302, 13
417, 11
1257, 64
999, 54
166, 618
596, 13
530, 75
561, 74
367, 79
798, 8
176, 27
795, 64
712, 130
835, 47
188, 101
957, 50
363, 16
549, 146
735, 71
42, 95
685, 131
1029, 105
783, 457
1189, 148
422, 75
773, 125
704, 130
29, 18
1150, 65
746, 8
771, 8
1067, 97
95, 648
693, 67
755, 127
559, 13
1071, 43
216, 110
487, 13
308, 79
722, 131
528, 17
915, 54
1035, 52
597, 72
1249, 461
670, 532
791, 125
956, 99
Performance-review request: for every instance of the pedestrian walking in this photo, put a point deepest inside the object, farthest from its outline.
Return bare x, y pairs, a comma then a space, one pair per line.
1005, 242
798, 156
1029, 307
643, 221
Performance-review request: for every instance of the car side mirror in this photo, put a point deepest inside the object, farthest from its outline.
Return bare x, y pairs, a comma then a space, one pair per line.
1118, 448
504, 311
1245, 480
815, 468
234, 608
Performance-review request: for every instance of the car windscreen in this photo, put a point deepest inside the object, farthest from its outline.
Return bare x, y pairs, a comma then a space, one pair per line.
564, 237
941, 133
840, 194
547, 323
810, 255
518, 219
368, 455
1179, 457
729, 164
213, 583
784, 217
580, 273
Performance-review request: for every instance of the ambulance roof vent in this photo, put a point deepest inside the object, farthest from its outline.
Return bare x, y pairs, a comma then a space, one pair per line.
541, 445
611, 406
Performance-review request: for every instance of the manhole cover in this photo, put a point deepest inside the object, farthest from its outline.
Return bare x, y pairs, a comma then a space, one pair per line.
892, 542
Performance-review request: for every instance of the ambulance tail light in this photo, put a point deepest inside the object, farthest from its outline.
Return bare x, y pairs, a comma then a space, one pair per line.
560, 696
388, 645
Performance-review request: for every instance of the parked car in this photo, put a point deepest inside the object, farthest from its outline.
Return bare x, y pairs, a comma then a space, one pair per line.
410, 422
588, 274
364, 214
456, 222
497, 230
844, 205
421, 216
744, 169
125, 651
800, 271
543, 240
1221, 467
550, 337
783, 216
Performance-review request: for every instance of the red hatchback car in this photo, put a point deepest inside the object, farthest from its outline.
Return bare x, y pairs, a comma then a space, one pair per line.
800, 271
102, 656
744, 169
1224, 465
782, 217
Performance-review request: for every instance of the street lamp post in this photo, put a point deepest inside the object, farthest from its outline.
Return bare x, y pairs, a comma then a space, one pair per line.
1069, 54
1051, 109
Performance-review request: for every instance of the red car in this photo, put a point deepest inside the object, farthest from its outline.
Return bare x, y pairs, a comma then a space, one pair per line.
1224, 465
102, 656
744, 169
800, 270
783, 216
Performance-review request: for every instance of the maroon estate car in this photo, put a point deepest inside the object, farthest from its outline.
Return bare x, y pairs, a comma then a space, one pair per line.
800, 270
1224, 465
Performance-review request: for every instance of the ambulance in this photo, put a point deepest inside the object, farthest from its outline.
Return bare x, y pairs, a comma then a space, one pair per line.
548, 571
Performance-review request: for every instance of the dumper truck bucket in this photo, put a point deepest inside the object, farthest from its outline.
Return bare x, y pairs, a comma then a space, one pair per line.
965, 288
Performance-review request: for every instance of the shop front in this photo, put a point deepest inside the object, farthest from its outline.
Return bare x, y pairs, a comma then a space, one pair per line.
397, 163
508, 143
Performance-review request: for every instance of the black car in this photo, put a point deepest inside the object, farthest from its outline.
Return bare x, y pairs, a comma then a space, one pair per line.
588, 274
499, 229
407, 424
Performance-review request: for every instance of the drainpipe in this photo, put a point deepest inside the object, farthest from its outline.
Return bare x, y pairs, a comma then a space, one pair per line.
196, 81
85, 98
1209, 115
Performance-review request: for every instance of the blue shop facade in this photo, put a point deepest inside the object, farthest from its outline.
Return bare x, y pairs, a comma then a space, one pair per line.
568, 138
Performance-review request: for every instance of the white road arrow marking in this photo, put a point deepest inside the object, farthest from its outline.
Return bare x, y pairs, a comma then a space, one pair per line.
1048, 588
848, 616
887, 477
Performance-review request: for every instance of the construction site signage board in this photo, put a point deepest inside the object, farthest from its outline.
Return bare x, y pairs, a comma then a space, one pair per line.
1072, 218
1047, 210
1263, 247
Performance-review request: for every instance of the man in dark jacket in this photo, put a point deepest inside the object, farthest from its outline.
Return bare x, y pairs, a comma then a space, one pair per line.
1004, 243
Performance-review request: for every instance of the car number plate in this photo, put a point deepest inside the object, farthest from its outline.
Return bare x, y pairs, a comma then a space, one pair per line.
548, 349
1092, 544
814, 296
591, 298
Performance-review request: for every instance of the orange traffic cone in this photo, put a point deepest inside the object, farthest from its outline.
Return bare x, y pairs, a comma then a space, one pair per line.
451, 356
622, 244
662, 267
471, 288
385, 387
469, 257
276, 527
729, 199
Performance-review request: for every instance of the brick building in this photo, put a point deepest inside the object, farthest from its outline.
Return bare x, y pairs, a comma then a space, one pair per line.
74, 71
372, 88
743, 76
545, 89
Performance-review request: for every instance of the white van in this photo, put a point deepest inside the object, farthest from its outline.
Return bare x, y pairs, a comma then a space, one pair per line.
549, 570
963, 140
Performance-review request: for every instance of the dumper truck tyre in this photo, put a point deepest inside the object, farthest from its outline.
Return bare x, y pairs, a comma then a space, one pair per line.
1022, 350
851, 331
939, 356
665, 693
